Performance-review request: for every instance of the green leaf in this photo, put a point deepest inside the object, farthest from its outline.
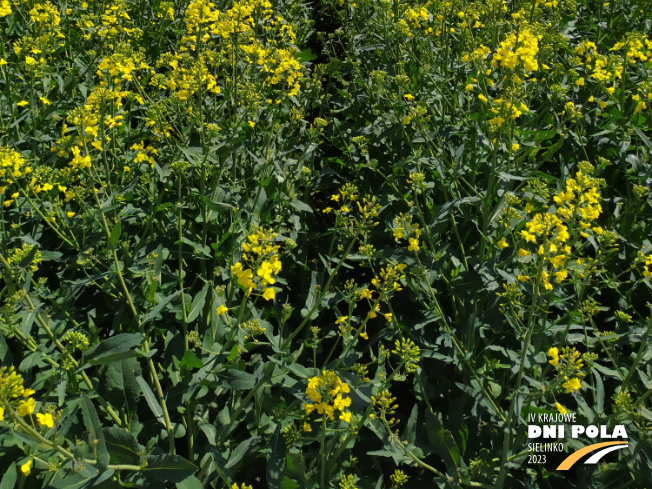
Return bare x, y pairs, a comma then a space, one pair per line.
9, 479
199, 248
300, 206
191, 360
152, 402
276, 460
122, 446
305, 55
190, 483
115, 236
159, 307
288, 483
411, 428
237, 380
442, 442
295, 466
28, 321
599, 394
5, 353
120, 382
168, 468
241, 450
197, 304
27, 261
92, 422
116, 348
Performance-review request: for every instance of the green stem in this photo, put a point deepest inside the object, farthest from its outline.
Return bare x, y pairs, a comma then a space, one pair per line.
526, 345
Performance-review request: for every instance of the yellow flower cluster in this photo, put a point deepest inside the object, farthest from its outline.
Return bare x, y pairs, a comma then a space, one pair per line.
568, 363
548, 234
600, 67
355, 215
5, 8
388, 279
518, 49
328, 394
186, 75
19, 254
13, 165
110, 21
403, 227
637, 47
262, 262
648, 263
13, 394
580, 201
415, 19
238, 26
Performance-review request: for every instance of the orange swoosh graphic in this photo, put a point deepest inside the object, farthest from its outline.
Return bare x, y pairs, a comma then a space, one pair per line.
574, 457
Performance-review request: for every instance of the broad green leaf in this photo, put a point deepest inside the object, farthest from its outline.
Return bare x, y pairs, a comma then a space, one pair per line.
237, 380
168, 468
305, 55
190, 482
115, 236
241, 450
93, 424
122, 446
9, 479
197, 304
191, 360
276, 460
120, 382
159, 307
116, 348
411, 428
442, 441
152, 402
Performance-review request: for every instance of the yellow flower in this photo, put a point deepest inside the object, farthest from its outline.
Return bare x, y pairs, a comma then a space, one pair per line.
22, 103
2, 413
482, 98
45, 420
365, 294
522, 252
44, 101
560, 408
554, 353
346, 417
341, 319
222, 310
26, 407
468, 88
515, 146
388, 317
502, 244
70, 214
26, 468
414, 244
406, 120
409, 97
306, 427
269, 294
572, 385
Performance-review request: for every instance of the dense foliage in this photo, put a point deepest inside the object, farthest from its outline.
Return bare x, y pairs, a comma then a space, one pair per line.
345, 244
